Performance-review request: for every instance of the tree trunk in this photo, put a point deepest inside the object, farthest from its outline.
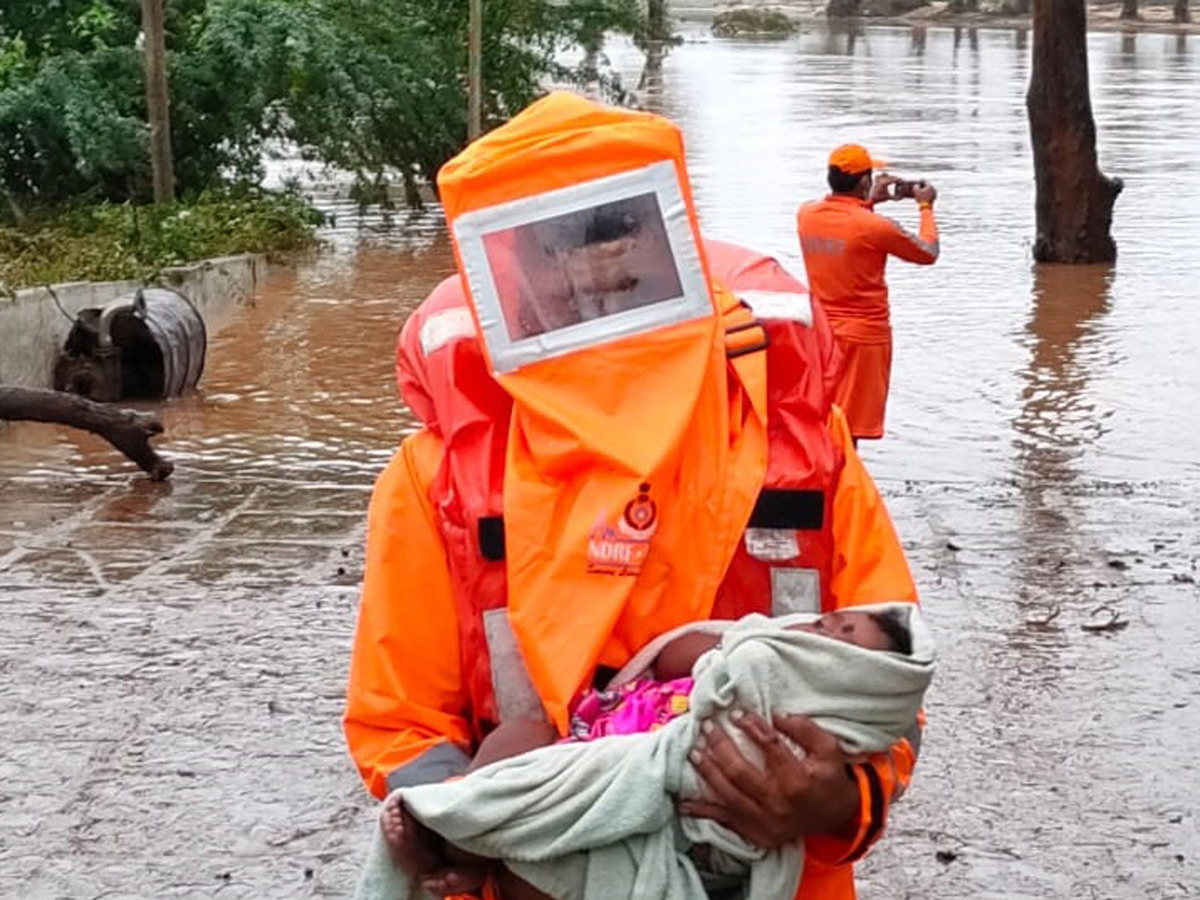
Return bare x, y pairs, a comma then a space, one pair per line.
475, 70
14, 210
1074, 200
1181, 11
656, 21
127, 430
1129, 9
158, 104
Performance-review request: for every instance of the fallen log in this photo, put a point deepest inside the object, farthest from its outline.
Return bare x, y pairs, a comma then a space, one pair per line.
126, 429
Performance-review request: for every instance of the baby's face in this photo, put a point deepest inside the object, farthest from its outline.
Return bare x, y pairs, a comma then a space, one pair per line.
857, 628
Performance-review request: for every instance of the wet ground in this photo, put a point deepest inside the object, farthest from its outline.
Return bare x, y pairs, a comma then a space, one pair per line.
172, 656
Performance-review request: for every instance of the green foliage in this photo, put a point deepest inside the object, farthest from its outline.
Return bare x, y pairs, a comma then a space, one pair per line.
110, 242
377, 87
68, 127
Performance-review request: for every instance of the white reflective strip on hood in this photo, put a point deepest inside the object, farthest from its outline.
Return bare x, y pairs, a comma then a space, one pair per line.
444, 327
779, 305
516, 697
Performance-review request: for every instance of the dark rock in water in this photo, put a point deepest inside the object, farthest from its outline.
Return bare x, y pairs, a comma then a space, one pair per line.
748, 22
946, 856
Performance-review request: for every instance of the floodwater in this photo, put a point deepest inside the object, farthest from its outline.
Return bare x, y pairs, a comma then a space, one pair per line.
172, 656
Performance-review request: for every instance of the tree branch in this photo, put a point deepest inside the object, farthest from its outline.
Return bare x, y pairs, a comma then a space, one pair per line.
126, 429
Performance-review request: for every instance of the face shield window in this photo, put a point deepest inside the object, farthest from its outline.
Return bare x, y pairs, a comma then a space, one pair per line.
582, 265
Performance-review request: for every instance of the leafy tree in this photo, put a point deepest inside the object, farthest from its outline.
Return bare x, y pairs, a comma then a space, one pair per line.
373, 86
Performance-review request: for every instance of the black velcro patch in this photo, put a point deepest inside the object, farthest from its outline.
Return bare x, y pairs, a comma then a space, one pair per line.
491, 538
798, 510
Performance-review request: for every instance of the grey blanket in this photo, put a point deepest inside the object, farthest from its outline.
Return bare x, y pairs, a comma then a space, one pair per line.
597, 821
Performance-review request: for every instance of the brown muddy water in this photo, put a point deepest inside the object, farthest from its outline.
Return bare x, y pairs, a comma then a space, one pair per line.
172, 657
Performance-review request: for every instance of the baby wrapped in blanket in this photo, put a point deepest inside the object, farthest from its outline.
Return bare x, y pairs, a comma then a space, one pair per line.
596, 820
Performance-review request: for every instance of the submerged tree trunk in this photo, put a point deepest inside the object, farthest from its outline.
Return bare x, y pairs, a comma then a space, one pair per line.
1074, 200
1129, 9
656, 21
843, 9
1181, 11
127, 430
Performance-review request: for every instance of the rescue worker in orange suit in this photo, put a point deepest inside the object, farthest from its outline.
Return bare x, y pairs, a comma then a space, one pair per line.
573, 493
846, 246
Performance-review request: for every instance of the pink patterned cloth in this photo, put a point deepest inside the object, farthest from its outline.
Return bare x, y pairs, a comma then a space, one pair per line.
639, 706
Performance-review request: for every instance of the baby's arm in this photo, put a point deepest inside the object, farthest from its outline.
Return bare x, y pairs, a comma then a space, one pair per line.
511, 739
676, 659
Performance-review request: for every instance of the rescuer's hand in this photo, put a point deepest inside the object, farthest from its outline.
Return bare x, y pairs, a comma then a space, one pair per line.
925, 193
881, 189
786, 799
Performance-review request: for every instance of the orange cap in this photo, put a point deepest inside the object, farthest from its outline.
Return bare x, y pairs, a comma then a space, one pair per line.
854, 158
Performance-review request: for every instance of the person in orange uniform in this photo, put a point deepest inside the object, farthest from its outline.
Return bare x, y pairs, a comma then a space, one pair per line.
846, 246
589, 477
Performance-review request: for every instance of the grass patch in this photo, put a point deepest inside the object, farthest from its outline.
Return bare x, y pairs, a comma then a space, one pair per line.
113, 242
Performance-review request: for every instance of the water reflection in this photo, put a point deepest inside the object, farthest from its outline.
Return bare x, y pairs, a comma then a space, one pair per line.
919, 36
972, 36
841, 37
1056, 420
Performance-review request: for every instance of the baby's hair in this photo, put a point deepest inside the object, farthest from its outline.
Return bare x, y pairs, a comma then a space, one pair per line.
892, 625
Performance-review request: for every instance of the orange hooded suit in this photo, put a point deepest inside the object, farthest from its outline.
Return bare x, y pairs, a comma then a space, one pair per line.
582, 486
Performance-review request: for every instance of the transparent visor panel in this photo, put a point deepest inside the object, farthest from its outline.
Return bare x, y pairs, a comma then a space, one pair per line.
580, 266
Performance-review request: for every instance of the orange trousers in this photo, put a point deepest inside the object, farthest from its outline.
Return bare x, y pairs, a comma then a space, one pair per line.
862, 390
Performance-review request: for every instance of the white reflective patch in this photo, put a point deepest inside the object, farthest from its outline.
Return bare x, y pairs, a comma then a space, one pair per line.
443, 327
772, 544
515, 694
795, 591
656, 280
779, 305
